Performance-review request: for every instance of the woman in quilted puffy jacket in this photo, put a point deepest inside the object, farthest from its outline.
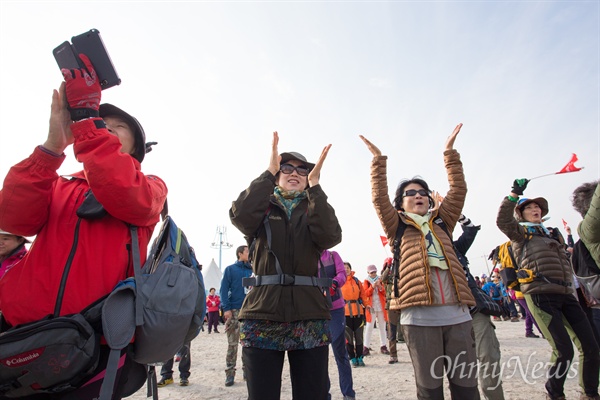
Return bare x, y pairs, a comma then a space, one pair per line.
432, 289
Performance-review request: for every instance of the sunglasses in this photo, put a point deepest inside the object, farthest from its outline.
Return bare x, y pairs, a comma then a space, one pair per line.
289, 168
413, 192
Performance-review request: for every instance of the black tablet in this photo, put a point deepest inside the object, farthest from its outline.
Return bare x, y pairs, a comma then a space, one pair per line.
88, 43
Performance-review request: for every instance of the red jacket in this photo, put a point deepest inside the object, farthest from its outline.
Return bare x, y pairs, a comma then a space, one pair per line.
213, 301
35, 201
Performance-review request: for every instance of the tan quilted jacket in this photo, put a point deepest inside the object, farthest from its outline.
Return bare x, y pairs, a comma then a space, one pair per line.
420, 285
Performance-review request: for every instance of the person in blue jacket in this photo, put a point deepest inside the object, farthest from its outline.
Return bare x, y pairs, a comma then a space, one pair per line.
232, 296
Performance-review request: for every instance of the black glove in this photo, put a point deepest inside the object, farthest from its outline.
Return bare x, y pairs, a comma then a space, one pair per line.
519, 185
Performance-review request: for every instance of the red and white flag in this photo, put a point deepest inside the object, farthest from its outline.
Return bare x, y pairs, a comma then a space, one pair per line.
384, 240
570, 167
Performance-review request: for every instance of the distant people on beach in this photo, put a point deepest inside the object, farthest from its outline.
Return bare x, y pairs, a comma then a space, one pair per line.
213, 308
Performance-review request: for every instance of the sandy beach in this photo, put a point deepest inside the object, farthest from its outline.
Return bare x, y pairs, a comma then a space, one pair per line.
523, 360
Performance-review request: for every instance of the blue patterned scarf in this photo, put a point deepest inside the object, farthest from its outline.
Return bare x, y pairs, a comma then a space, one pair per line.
289, 199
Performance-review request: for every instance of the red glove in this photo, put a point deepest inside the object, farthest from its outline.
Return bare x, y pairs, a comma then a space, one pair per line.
83, 90
333, 288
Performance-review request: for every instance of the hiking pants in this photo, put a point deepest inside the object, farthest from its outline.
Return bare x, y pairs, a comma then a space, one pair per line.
555, 313
488, 354
213, 320
354, 336
380, 316
337, 326
185, 363
232, 328
308, 373
394, 333
529, 320
434, 349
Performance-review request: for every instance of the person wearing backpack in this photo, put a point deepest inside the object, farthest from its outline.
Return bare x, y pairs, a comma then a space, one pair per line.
81, 220
354, 310
432, 290
545, 278
286, 213
334, 268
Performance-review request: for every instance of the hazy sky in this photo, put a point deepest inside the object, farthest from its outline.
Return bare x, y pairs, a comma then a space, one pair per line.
211, 81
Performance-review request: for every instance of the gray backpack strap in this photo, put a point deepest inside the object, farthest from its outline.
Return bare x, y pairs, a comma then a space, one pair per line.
118, 325
137, 272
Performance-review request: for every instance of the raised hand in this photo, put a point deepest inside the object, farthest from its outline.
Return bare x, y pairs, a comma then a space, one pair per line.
372, 148
452, 137
315, 173
275, 157
83, 90
59, 132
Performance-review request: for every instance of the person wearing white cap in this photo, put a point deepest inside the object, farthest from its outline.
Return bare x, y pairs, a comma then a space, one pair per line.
12, 250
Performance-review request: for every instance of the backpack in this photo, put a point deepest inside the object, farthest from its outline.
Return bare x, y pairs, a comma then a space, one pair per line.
170, 300
586, 271
508, 265
163, 306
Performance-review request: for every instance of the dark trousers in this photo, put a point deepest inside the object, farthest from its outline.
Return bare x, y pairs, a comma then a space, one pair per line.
551, 310
184, 364
213, 320
354, 336
337, 326
308, 373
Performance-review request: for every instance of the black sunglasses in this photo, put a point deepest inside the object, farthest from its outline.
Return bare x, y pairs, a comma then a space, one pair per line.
413, 192
289, 168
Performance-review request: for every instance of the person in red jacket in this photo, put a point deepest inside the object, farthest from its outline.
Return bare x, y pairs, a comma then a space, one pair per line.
213, 303
95, 241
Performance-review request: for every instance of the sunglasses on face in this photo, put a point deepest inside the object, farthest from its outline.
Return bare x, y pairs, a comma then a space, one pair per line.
413, 192
289, 168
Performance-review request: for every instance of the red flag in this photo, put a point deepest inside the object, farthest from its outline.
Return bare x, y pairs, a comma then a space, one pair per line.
384, 240
565, 224
570, 167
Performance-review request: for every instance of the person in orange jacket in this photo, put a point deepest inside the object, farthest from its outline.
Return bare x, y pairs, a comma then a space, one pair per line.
354, 298
375, 309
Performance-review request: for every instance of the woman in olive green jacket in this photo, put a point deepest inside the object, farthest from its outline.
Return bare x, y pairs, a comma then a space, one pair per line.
287, 212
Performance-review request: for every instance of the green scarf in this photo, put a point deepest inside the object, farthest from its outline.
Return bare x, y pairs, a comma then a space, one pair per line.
289, 199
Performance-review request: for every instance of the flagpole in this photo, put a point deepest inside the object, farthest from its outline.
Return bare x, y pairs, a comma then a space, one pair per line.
555, 173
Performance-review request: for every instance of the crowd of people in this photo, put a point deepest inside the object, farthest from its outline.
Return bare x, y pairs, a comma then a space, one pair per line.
288, 294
